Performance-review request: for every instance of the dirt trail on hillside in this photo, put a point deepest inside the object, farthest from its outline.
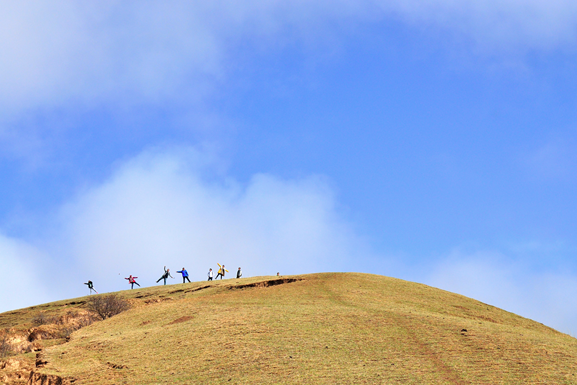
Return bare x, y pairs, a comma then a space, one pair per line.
447, 373
420, 348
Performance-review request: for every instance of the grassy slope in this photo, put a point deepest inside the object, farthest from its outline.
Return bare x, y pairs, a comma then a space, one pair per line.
325, 328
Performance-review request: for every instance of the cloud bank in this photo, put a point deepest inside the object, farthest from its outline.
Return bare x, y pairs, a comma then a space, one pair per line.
68, 58
139, 52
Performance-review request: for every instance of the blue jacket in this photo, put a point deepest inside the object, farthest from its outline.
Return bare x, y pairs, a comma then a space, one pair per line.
183, 272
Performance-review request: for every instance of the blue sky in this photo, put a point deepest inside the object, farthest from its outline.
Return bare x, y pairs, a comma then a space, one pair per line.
432, 141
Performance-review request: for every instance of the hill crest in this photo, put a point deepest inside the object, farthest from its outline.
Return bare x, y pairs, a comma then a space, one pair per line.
317, 328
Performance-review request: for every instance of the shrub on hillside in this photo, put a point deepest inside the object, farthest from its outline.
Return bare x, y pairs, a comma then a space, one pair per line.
107, 305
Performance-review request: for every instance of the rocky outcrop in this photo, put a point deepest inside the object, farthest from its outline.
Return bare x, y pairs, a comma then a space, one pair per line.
14, 371
14, 378
10, 364
27, 340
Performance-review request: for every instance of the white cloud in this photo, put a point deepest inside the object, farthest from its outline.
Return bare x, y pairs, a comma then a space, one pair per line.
133, 52
23, 282
75, 52
165, 208
63, 58
549, 297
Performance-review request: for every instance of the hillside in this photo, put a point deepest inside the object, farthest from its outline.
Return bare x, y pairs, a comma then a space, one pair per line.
343, 328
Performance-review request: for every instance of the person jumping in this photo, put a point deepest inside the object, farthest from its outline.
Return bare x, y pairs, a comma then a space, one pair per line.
165, 275
91, 287
184, 275
132, 281
210, 274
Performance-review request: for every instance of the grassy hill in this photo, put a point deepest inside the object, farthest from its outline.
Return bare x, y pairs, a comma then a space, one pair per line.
331, 328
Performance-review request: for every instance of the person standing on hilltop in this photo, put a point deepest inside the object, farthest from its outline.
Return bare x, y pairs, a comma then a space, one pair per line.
91, 287
210, 274
132, 281
165, 275
239, 273
184, 275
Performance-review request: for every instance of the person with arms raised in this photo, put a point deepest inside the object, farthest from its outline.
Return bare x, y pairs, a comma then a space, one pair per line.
132, 281
165, 275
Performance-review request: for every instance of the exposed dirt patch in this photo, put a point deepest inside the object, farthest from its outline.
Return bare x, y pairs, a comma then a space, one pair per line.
272, 282
143, 295
43, 332
145, 323
198, 288
181, 319
60, 327
16, 342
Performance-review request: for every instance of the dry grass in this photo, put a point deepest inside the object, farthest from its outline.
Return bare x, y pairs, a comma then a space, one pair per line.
325, 328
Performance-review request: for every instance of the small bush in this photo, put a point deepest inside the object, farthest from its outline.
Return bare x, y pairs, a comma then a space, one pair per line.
105, 306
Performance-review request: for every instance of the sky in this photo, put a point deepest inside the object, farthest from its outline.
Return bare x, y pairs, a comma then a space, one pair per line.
428, 140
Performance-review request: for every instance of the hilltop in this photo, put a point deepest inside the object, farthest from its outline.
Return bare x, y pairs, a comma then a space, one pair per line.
344, 328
